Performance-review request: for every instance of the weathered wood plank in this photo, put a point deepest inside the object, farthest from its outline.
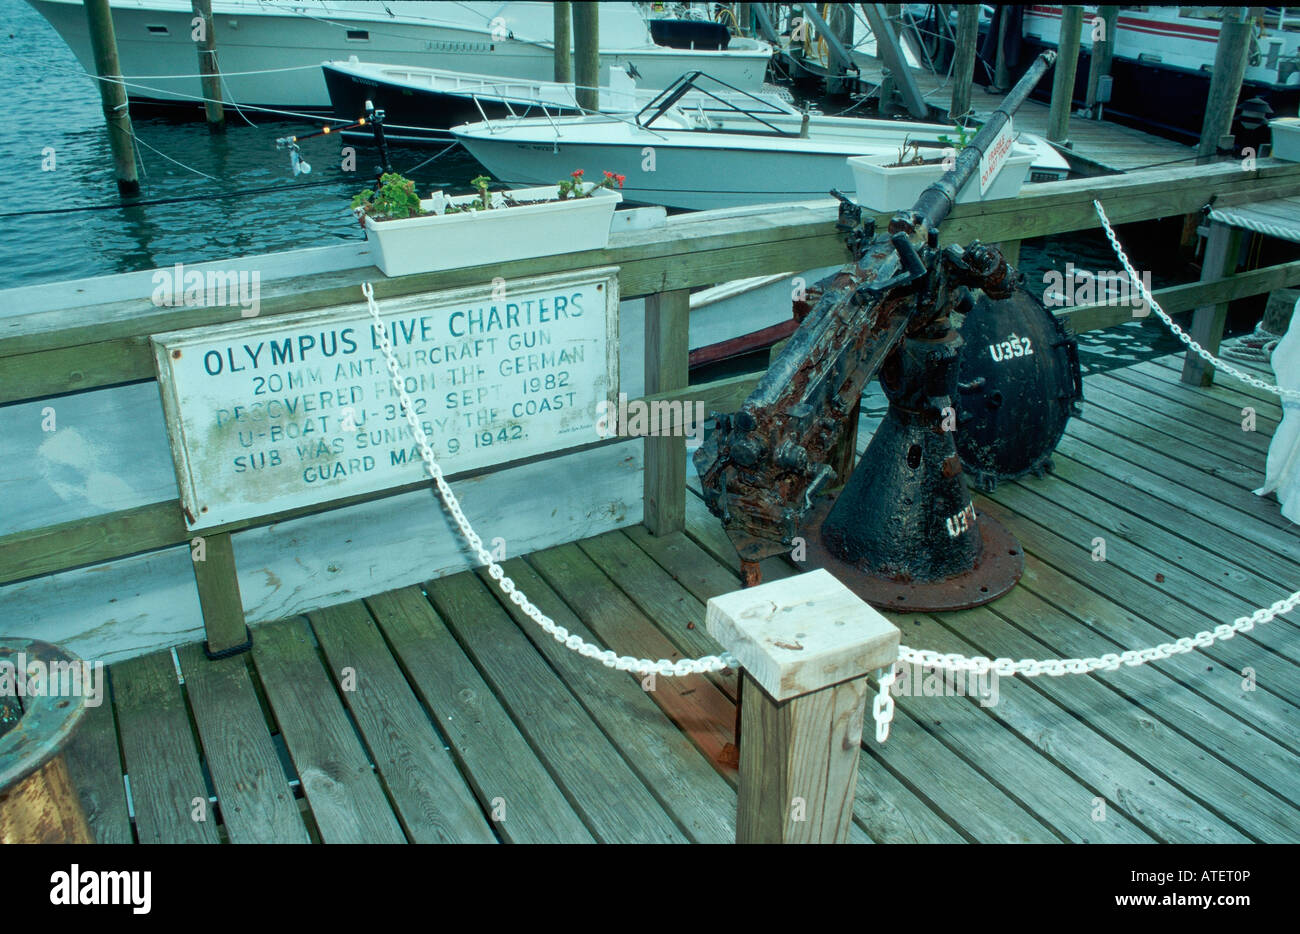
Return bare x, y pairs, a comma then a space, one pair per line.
501, 767
587, 767
667, 346
674, 770
72, 369
1108, 625
1138, 694
1244, 471
335, 556
432, 800
257, 805
686, 562
1168, 417
162, 761
1074, 559
78, 542
95, 767
1187, 524
702, 710
1177, 569
1181, 478
342, 790
1108, 754
676, 613
1225, 398
1220, 401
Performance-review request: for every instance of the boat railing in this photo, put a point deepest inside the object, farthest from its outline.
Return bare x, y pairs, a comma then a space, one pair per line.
672, 94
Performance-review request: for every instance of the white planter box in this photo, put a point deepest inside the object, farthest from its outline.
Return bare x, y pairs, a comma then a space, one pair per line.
1286, 138
453, 241
893, 189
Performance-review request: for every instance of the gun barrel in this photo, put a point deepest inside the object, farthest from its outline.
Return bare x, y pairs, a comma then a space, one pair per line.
937, 200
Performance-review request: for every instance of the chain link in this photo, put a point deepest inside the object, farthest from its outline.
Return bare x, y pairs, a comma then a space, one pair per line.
882, 707
1182, 335
608, 658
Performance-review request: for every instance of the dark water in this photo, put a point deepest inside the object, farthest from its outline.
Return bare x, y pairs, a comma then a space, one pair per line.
47, 101
252, 202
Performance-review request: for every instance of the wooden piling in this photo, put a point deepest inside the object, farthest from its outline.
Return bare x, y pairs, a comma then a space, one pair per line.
1067, 63
1221, 249
206, 40
1102, 50
112, 93
563, 41
963, 67
806, 644
586, 53
1225, 81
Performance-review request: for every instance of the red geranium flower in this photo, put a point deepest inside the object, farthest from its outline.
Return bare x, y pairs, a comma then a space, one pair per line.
577, 173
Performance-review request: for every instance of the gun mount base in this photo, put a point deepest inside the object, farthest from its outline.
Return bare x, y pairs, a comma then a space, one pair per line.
996, 570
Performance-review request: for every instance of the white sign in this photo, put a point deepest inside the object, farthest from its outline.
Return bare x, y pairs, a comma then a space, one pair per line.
994, 155
266, 416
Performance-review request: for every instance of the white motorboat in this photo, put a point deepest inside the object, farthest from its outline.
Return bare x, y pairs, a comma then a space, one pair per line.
421, 103
686, 157
270, 52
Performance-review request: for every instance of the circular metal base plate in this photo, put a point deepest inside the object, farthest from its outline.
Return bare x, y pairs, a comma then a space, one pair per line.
997, 570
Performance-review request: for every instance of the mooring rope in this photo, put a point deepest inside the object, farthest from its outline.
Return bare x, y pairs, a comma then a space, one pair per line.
883, 703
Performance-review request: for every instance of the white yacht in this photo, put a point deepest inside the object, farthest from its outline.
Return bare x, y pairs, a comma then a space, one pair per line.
270, 52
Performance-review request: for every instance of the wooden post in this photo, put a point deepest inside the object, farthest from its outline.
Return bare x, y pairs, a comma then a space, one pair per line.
806, 645
1225, 81
218, 584
563, 41
1067, 63
112, 93
963, 67
1001, 74
206, 39
1102, 49
1221, 249
1010, 250
586, 52
667, 353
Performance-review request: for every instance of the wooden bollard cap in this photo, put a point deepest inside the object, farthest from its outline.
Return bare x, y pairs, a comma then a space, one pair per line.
802, 634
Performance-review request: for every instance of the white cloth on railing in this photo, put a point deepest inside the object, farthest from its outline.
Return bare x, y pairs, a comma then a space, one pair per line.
1282, 470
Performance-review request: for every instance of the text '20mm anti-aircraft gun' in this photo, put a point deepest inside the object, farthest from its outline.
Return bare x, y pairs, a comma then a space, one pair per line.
903, 531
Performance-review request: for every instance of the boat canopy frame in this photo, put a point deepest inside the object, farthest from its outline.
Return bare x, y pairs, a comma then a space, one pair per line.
669, 96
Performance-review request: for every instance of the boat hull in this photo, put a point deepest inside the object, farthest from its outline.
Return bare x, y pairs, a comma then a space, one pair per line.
272, 59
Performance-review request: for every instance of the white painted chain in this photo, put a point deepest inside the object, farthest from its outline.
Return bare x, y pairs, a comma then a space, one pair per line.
575, 643
883, 708
1182, 335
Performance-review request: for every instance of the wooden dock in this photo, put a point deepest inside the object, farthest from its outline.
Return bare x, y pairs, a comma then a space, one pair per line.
438, 713
1099, 147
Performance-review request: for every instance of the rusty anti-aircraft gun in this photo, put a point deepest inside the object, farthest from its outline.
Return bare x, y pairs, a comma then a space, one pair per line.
903, 531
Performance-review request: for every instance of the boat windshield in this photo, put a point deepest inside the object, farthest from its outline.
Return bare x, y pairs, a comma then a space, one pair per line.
706, 85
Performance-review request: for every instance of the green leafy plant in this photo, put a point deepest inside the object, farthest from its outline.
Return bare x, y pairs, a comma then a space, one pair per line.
573, 186
963, 139
395, 200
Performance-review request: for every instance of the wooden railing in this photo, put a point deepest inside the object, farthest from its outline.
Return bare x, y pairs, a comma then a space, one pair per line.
90, 347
